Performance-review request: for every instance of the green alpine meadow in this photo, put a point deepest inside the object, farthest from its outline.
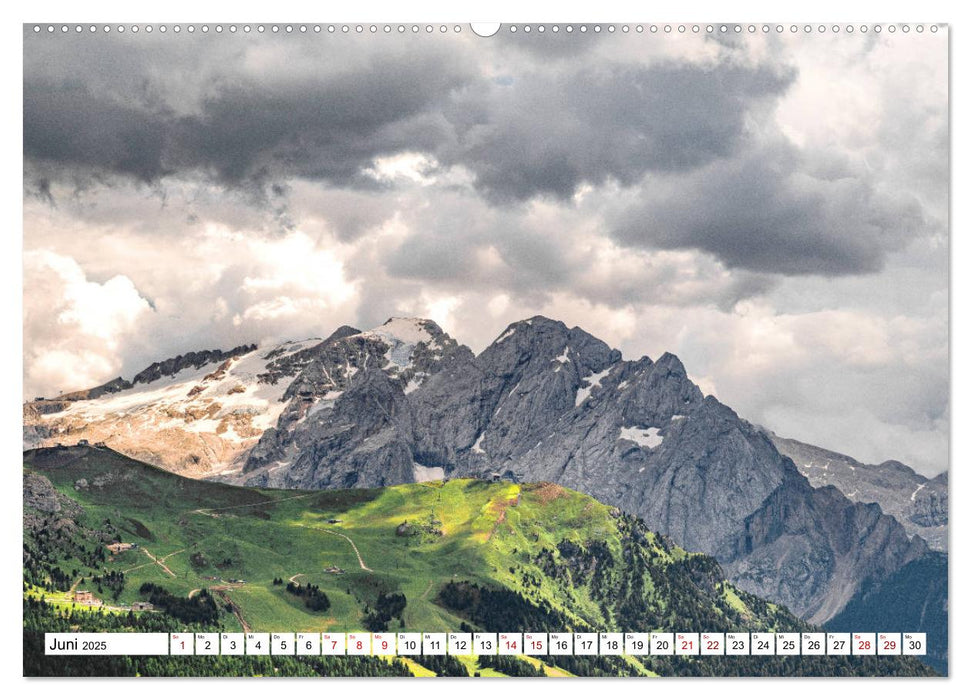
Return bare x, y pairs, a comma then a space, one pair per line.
113, 544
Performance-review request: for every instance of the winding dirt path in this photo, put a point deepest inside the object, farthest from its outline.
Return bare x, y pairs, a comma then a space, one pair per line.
160, 562
360, 559
293, 578
172, 554
221, 592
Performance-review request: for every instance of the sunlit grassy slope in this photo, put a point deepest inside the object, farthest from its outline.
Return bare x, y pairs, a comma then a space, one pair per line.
547, 544
465, 554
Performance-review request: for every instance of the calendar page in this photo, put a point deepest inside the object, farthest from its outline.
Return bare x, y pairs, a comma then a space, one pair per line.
485, 350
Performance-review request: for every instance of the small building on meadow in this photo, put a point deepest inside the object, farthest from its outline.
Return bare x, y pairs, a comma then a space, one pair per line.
85, 598
118, 547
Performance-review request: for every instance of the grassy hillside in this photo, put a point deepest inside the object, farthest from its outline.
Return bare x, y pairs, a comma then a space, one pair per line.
427, 557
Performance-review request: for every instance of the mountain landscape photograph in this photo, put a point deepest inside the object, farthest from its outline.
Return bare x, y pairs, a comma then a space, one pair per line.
402, 329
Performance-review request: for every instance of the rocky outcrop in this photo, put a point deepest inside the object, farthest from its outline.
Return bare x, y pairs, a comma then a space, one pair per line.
285, 366
40, 495
191, 360
46, 508
349, 421
817, 547
929, 507
43, 407
918, 503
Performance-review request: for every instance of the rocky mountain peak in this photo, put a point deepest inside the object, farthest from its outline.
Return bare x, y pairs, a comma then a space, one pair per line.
342, 332
672, 364
408, 330
892, 465
544, 402
543, 343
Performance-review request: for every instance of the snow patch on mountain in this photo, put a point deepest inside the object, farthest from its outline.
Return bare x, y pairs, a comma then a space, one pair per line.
423, 473
592, 381
199, 419
477, 447
505, 335
649, 438
184, 398
287, 348
402, 335
409, 331
415, 382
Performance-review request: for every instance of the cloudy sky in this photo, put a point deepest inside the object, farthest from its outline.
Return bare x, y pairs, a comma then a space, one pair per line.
772, 209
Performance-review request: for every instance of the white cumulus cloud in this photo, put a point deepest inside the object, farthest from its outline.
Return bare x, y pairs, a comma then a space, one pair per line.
74, 326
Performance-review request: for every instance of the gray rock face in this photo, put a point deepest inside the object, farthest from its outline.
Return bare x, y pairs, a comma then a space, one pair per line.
812, 545
195, 360
349, 422
40, 495
930, 507
918, 503
42, 502
284, 366
549, 403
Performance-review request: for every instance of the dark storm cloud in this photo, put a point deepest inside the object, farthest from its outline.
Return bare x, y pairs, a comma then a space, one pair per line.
464, 241
187, 191
536, 129
432, 258
327, 130
678, 135
246, 133
774, 211
547, 134
39, 188
66, 125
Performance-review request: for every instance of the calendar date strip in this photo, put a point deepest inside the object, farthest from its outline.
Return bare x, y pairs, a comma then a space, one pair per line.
487, 643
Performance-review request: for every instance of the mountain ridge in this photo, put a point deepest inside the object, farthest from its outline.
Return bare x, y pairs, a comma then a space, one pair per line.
545, 402
917, 502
